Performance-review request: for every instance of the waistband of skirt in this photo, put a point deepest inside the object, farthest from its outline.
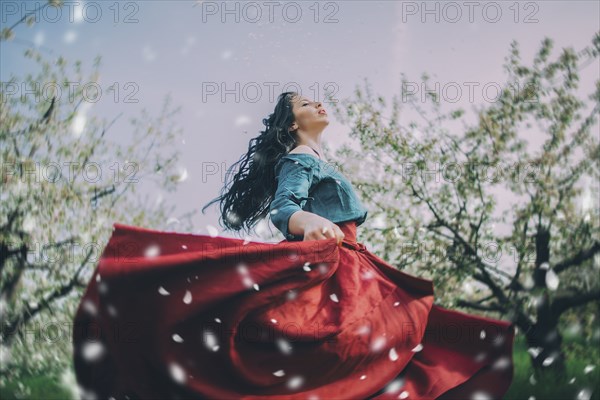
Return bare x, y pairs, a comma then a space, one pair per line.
350, 241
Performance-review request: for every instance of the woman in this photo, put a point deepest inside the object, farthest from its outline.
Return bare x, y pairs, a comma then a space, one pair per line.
315, 316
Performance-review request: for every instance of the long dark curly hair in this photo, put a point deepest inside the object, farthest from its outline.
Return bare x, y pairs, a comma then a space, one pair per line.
246, 198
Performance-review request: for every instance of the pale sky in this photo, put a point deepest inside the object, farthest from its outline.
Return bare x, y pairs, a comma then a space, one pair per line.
185, 47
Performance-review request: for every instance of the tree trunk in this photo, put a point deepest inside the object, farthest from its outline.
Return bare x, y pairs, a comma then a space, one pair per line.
543, 338
545, 344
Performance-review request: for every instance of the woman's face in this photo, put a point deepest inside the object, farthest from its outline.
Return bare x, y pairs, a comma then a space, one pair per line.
309, 115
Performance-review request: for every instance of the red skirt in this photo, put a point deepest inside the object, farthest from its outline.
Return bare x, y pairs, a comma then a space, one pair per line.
181, 316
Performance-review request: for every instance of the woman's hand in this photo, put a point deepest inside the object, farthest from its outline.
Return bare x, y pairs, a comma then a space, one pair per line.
314, 227
319, 228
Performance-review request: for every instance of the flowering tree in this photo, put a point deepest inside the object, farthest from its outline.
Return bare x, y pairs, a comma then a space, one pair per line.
64, 183
439, 199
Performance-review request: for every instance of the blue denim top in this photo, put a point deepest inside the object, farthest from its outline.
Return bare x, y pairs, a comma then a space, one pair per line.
308, 183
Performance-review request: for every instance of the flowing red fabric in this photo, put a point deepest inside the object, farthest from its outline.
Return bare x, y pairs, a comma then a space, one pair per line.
181, 316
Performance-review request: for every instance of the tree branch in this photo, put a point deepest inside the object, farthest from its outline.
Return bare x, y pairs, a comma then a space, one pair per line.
578, 258
563, 303
481, 307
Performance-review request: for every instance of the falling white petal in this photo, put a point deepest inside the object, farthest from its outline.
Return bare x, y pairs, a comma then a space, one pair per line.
273, 320
187, 299
323, 269
78, 124
334, 297
498, 340
534, 351
295, 382
103, 287
552, 280
363, 330
588, 369
418, 347
396, 304
532, 380
242, 120
403, 395
248, 282
39, 39
163, 291
481, 395
363, 377
584, 394
306, 267
177, 372
291, 294
212, 231
182, 174
152, 251
378, 344
284, 346
218, 320
92, 351
89, 307
177, 338
256, 287
548, 361
183, 246
210, 340
112, 311
572, 381
279, 373
395, 385
242, 269
501, 363
368, 275
482, 334
544, 265
393, 355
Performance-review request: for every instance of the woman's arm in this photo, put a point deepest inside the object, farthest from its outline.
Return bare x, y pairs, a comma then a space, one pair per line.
286, 212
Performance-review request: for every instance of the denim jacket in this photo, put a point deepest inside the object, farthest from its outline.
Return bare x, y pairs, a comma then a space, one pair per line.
308, 183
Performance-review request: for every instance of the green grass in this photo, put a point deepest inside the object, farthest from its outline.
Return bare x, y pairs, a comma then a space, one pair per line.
47, 387
579, 355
